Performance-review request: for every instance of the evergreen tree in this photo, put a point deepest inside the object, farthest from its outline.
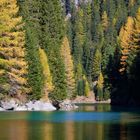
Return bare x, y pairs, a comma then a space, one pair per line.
52, 25
96, 30
121, 14
30, 10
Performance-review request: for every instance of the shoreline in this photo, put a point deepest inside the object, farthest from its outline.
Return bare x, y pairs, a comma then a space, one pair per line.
66, 105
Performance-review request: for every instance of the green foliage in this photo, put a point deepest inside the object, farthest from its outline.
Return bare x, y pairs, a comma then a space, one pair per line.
97, 64
31, 16
86, 87
106, 95
100, 86
93, 53
53, 30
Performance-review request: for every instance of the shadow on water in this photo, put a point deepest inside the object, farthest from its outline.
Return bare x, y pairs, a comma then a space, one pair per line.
89, 122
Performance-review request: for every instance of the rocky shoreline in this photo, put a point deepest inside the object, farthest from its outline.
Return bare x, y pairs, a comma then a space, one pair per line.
66, 105
28, 106
13, 105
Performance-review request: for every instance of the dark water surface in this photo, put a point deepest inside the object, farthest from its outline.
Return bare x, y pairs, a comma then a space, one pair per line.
89, 122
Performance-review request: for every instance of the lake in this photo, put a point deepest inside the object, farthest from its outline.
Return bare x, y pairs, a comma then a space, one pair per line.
89, 122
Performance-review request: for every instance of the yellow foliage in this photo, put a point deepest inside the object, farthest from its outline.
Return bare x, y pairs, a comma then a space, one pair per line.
100, 81
12, 50
125, 42
131, 3
2, 72
18, 79
86, 87
48, 84
69, 67
105, 21
136, 33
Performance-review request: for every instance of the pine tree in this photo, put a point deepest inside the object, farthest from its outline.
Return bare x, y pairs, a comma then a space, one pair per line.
52, 26
30, 10
69, 67
120, 14
13, 67
96, 30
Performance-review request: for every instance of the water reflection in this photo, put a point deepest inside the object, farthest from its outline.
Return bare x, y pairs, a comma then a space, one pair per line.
103, 124
96, 107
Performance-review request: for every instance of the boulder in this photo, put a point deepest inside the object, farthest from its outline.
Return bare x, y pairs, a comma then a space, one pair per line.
1, 109
21, 108
29, 106
40, 106
9, 105
67, 105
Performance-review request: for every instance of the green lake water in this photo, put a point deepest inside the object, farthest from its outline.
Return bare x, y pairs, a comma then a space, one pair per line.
89, 122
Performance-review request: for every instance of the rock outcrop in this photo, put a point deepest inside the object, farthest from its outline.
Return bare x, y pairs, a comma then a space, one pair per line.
29, 106
67, 105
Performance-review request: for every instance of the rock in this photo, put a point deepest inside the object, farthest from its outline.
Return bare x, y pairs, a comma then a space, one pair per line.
40, 106
9, 105
83, 99
1, 109
56, 104
106, 101
21, 108
67, 105
30, 106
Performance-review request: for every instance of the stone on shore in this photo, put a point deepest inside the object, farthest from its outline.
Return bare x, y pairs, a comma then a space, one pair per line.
40, 106
67, 105
83, 99
9, 105
1, 109
29, 106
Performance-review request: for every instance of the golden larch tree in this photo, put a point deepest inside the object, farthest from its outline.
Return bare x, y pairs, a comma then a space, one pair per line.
125, 37
69, 67
136, 32
105, 21
48, 84
13, 67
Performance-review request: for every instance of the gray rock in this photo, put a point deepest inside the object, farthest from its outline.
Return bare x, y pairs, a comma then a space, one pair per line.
40, 106
1, 109
67, 105
30, 106
9, 105
21, 108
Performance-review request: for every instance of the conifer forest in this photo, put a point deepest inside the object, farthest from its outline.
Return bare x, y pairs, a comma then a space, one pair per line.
61, 49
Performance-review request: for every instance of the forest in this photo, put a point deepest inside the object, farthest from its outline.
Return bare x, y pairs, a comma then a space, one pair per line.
63, 49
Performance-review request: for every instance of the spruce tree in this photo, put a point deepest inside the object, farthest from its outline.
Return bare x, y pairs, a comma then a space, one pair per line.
30, 10
52, 26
